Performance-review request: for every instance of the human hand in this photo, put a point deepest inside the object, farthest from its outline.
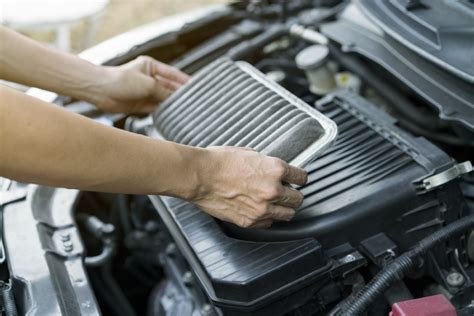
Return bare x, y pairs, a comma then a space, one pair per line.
247, 188
138, 86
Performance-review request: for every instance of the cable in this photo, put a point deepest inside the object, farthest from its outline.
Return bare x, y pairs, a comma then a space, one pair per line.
357, 303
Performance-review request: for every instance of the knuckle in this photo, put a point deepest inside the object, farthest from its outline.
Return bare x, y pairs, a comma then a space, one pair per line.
143, 58
279, 167
245, 222
140, 59
271, 192
261, 210
266, 224
299, 199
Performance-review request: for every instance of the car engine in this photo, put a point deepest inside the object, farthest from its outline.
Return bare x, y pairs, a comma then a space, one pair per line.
387, 224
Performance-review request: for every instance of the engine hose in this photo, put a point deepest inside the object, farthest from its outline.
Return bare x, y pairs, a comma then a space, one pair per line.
103, 232
252, 46
357, 303
7, 300
113, 293
108, 250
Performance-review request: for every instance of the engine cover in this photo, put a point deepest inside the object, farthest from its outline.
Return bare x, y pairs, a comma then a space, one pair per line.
371, 178
367, 185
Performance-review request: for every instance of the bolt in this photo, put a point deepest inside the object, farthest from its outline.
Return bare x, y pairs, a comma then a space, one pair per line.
107, 230
187, 278
68, 246
65, 236
170, 249
455, 279
206, 310
349, 258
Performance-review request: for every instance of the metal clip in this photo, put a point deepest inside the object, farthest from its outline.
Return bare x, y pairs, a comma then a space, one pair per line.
443, 177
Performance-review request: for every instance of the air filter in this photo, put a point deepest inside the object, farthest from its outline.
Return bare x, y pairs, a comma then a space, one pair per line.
231, 103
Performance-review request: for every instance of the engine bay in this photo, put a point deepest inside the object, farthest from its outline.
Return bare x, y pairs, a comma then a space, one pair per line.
387, 216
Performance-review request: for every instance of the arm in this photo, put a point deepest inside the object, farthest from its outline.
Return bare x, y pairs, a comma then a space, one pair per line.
134, 87
45, 144
42, 143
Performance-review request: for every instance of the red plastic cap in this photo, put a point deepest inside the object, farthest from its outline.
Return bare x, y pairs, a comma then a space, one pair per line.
436, 305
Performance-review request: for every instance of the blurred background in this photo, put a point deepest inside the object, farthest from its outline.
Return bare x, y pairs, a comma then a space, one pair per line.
44, 19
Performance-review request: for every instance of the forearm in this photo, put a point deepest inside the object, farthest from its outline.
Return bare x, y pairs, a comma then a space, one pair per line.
44, 144
25, 61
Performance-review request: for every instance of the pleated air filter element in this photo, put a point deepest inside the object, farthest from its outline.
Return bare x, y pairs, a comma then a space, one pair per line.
232, 104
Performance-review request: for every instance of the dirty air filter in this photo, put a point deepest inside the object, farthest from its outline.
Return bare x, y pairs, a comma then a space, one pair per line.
233, 104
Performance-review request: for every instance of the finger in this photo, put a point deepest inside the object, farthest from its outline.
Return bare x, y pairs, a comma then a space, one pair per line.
290, 197
281, 213
148, 108
295, 175
247, 148
168, 84
266, 223
160, 92
169, 72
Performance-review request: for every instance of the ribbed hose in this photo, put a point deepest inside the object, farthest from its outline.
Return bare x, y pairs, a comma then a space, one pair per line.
7, 299
397, 270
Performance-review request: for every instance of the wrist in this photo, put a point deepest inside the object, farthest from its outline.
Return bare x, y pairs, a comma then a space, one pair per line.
96, 85
200, 173
187, 172
209, 166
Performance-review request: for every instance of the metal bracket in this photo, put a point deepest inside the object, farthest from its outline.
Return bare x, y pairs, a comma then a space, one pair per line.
452, 173
7, 197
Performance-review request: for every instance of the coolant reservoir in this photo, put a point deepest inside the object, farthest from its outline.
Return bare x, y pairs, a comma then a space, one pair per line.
313, 61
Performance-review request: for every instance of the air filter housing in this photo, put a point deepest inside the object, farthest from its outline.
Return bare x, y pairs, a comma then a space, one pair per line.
365, 189
231, 103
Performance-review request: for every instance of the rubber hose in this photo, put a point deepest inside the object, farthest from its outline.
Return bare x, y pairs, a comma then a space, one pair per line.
250, 47
103, 232
116, 299
105, 255
122, 203
397, 270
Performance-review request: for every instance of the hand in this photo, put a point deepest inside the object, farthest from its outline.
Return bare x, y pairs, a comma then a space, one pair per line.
139, 86
248, 189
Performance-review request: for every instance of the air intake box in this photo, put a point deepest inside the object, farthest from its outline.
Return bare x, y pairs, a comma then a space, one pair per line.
370, 181
233, 104
367, 184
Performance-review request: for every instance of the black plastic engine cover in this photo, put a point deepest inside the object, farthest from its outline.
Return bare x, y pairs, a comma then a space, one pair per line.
237, 274
366, 184
441, 31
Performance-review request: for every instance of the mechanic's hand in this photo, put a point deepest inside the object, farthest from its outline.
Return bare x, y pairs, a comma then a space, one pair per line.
247, 188
139, 85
